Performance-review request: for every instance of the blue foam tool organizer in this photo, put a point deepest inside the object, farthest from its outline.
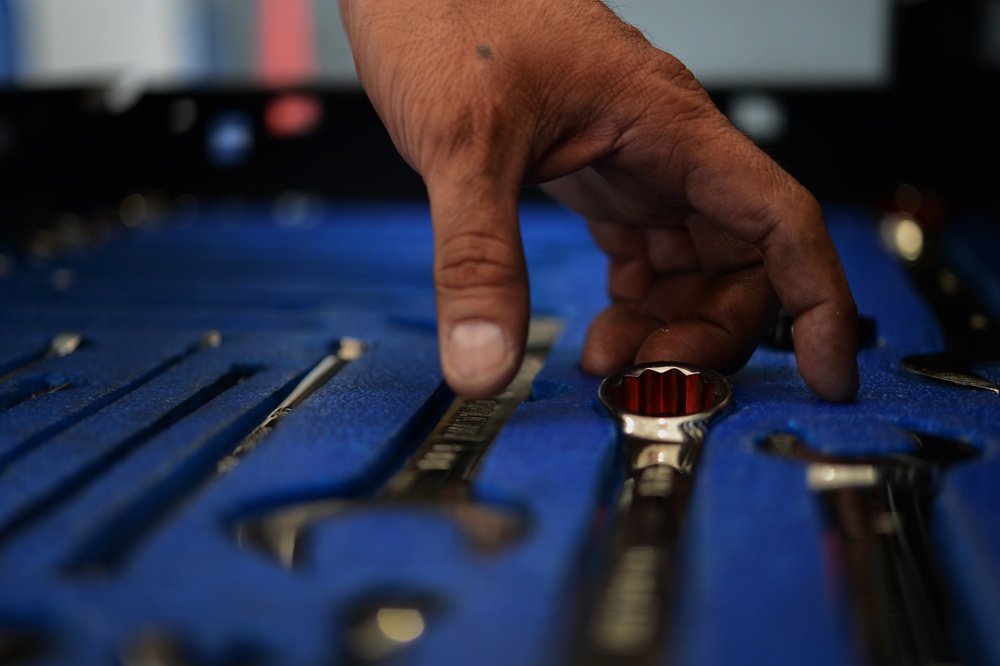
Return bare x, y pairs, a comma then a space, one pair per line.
115, 525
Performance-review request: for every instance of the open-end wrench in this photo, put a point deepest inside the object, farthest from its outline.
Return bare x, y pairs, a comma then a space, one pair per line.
438, 475
664, 410
971, 334
879, 509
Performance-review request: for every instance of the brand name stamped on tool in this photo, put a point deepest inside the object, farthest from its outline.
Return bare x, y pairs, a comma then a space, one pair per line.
470, 420
464, 432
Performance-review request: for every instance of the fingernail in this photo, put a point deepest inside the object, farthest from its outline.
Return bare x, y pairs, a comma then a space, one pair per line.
477, 348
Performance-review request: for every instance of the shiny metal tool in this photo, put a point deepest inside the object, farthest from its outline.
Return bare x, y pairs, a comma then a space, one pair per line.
879, 508
437, 476
972, 335
664, 410
378, 628
348, 349
109, 543
62, 344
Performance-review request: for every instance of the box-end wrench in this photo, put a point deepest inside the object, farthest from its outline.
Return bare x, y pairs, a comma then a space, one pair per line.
879, 509
663, 410
438, 475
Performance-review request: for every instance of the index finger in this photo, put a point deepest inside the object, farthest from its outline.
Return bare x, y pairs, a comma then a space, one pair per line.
749, 196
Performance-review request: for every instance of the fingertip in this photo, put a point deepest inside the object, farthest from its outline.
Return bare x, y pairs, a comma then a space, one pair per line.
837, 381
845, 391
826, 350
478, 357
838, 384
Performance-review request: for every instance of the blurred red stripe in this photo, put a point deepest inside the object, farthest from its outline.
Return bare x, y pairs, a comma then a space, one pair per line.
287, 46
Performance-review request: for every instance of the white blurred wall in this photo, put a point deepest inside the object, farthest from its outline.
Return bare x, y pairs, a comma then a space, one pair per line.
787, 42
724, 42
71, 40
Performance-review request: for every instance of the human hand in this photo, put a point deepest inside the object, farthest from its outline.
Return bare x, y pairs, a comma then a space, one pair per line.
704, 232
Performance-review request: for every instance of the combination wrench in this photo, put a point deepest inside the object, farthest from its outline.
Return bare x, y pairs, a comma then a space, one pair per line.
878, 507
438, 475
663, 410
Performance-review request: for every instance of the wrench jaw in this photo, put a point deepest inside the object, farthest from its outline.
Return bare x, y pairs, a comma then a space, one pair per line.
662, 390
283, 535
436, 480
916, 470
664, 410
280, 534
949, 367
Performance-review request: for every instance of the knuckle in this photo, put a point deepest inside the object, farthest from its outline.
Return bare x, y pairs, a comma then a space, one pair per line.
476, 260
676, 72
482, 119
468, 133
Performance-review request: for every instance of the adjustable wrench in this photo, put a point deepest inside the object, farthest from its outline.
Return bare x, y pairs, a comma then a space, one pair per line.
879, 508
664, 410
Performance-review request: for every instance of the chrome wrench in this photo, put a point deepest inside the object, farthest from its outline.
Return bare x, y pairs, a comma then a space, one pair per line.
663, 410
878, 508
971, 334
107, 545
348, 349
438, 475
62, 344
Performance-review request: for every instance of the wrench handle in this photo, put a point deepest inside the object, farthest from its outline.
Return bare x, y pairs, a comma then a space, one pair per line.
886, 551
630, 616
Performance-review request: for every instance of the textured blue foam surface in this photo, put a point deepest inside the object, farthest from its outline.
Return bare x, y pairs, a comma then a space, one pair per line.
116, 522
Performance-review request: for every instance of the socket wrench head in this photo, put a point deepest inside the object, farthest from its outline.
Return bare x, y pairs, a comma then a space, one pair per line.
666, 402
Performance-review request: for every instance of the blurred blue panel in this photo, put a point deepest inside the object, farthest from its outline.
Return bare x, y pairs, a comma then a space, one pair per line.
8, 48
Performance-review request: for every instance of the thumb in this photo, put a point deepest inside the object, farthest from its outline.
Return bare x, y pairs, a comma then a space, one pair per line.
481, 282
